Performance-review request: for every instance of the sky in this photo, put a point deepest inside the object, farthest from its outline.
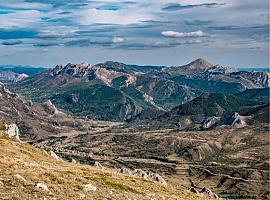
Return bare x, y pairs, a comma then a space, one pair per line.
146, 32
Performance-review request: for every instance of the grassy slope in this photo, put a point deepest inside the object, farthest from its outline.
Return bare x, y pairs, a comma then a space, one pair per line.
66, 180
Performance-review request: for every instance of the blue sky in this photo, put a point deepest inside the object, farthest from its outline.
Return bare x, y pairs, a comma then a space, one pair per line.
157, 32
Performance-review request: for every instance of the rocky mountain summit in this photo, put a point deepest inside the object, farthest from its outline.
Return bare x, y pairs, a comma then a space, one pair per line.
88, 90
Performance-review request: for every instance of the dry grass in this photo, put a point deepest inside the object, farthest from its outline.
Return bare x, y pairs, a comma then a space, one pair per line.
66, 180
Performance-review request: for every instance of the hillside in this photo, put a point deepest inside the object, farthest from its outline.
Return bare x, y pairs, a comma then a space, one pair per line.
31, 173
37, 121
205, 111
255, 94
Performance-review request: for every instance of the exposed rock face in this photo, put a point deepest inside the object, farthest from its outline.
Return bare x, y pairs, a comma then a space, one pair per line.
210, 122
253, 79
21, 77
237, 121
50, 107
13, 131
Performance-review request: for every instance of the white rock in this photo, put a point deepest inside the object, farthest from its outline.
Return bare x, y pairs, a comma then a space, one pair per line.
89, 188
13, 131
98, 165
55, 156
1, 184
18, 176
42, 186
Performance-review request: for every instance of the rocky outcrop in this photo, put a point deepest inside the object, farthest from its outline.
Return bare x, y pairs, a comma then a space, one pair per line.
205, 192
142, 174
12, 130
237, 121
50, 107
124, 170
210, 122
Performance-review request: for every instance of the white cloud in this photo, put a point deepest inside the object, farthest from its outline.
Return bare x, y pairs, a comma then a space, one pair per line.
20, 4
176, 34
123, 17
118, 40
21, 18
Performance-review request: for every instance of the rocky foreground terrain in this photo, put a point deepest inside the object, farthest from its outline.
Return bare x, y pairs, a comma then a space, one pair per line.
30, 173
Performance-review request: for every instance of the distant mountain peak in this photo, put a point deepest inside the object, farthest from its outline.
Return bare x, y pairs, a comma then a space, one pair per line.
201, 63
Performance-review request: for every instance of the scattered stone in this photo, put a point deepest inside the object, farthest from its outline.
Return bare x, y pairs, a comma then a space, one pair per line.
89, 188
73, 160
55, 156
98, 165
18, 176
42, 186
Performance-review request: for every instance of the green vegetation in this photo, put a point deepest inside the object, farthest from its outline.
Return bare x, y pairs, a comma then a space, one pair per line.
237, 194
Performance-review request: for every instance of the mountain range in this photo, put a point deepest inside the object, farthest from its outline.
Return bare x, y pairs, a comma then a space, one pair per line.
119, 92
13, 73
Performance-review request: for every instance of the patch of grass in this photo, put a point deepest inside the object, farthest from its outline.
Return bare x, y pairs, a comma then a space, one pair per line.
119, 186
54, 178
